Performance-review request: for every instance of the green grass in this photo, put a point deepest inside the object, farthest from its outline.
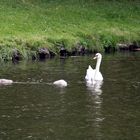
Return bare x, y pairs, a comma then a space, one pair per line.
29, 24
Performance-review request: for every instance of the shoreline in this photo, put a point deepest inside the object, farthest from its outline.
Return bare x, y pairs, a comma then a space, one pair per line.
30, 52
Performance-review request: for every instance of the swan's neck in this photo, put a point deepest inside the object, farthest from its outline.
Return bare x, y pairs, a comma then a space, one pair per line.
97, 69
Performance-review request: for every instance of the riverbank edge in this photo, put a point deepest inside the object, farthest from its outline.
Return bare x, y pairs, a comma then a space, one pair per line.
17, 49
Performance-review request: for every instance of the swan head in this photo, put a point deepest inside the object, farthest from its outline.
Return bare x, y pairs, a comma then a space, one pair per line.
97, 56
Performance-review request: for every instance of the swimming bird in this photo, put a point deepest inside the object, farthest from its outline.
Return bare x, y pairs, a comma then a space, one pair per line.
60, 83
6, 81
93, 75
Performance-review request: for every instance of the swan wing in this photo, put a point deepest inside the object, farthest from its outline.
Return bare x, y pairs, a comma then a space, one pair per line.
90, 73
99, 76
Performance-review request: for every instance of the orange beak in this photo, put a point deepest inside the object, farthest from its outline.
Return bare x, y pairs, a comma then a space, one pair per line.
95, 57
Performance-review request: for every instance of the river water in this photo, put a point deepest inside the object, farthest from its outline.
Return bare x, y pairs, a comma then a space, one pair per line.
32, 108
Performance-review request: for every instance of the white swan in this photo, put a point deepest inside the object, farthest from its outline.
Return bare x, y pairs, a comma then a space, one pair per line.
93, 75
5, 81
61, 83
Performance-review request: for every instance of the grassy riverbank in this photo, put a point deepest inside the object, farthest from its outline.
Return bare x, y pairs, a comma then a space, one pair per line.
30, 24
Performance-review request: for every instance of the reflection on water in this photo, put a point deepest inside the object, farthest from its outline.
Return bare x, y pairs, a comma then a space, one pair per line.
95, 92
33, 108
95, 88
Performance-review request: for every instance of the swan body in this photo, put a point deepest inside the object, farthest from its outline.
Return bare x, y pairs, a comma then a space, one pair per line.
6, 81
93, 75
61, 83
